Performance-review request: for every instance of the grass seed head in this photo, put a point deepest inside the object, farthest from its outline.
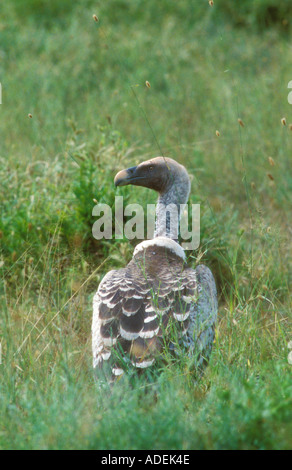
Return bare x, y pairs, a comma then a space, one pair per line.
270, 176
211, 3
253, 185
29, 115
271, 161
283, 121
240, 121
290, 127
95, 18
147, 84
218, 133
95, 201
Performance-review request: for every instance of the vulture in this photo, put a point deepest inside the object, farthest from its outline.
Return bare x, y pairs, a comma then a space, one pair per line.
156, 301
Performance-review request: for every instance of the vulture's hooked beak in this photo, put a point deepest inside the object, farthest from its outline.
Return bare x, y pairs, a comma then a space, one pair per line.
125, 177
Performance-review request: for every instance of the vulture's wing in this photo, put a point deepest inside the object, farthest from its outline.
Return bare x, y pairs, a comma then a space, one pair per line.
137, 309
203, 316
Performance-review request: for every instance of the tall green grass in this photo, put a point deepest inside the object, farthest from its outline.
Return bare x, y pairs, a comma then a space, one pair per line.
84, 84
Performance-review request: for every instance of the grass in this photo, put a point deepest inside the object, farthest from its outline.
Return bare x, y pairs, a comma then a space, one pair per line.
84, 84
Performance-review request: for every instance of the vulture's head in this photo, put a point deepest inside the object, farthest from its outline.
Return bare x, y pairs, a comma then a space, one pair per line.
162, 174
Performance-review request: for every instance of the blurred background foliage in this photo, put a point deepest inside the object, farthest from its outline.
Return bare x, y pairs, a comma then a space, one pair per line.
257, 13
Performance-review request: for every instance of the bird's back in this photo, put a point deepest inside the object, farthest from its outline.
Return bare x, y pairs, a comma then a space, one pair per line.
137, 309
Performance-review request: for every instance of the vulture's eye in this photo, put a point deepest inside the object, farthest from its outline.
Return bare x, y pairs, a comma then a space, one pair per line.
151, 168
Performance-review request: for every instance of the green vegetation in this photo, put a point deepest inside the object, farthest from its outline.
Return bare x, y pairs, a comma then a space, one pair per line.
83, 82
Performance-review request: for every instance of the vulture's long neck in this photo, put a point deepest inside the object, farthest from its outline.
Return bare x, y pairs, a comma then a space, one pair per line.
168, 208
